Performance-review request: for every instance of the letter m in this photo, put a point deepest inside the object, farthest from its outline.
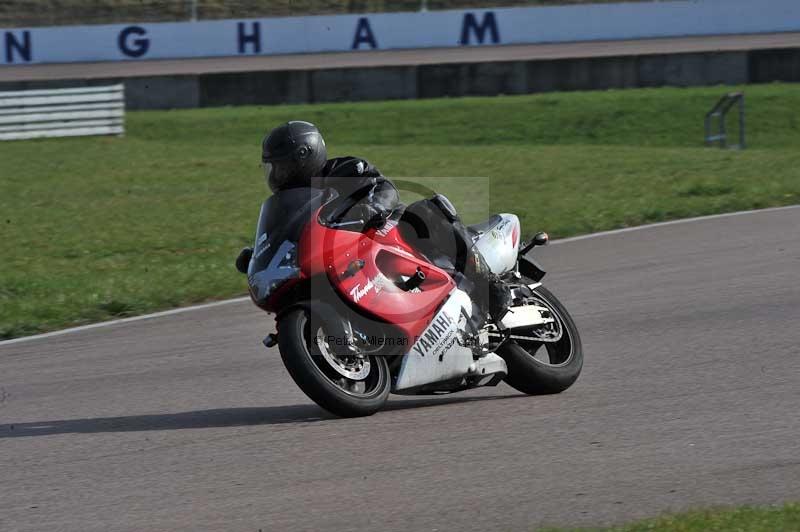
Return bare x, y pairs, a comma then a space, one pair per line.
470, 26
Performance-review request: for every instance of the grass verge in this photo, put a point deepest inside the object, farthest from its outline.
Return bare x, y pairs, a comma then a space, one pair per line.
98, 228
784, 518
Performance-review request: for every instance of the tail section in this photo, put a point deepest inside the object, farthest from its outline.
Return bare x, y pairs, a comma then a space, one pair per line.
498, 243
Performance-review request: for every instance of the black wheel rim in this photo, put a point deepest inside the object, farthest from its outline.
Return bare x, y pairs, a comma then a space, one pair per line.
374, 378
553, 354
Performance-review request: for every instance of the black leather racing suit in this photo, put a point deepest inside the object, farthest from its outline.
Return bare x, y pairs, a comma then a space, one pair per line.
435, 231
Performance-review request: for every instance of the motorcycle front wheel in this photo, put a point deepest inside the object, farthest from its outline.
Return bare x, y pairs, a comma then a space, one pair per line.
346, 386
540, 368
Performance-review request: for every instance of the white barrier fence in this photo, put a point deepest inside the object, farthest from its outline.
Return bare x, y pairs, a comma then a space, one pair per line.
387, 31
62, 112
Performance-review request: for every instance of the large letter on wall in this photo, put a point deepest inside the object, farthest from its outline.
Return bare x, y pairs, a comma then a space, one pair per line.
471, 25
254, 37
136, 47
364, 34
22, 48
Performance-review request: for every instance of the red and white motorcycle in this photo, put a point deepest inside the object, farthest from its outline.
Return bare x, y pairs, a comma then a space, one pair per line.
360, 313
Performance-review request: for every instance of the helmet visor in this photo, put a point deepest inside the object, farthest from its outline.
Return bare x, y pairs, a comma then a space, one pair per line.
279, 174
267, 171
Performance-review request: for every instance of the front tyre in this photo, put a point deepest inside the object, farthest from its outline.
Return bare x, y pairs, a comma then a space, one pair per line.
540, 368
344, 386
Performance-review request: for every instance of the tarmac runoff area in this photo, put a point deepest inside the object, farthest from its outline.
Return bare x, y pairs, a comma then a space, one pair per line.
183, 421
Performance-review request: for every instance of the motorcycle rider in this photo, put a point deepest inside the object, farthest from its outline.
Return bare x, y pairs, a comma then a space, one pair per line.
294, 155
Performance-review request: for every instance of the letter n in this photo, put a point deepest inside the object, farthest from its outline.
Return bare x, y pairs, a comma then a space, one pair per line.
364, 34
254, 37
470, 25
22, 48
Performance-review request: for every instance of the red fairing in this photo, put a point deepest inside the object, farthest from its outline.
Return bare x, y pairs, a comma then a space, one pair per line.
372, 288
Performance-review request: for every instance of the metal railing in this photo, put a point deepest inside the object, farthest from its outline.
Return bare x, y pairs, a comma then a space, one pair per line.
62, 112
720, 112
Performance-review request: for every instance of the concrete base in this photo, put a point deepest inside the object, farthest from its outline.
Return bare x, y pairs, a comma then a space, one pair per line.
439, 80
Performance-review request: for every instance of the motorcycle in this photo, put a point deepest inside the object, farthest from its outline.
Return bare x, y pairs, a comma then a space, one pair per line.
361, 314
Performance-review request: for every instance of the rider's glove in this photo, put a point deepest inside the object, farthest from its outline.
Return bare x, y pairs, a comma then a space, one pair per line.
374, 216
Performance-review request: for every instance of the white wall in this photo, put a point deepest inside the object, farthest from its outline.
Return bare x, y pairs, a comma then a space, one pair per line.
137, 42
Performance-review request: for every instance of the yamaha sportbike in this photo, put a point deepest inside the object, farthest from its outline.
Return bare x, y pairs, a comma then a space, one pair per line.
361, 314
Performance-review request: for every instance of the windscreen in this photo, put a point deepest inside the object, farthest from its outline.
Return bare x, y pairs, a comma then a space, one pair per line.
283, 217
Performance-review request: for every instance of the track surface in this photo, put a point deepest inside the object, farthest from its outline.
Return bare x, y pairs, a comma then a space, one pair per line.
366, 59
689, 397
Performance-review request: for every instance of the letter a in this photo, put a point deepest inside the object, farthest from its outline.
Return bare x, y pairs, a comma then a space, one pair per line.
364, 34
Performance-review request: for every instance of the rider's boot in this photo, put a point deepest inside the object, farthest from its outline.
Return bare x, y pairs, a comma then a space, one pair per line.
490, 295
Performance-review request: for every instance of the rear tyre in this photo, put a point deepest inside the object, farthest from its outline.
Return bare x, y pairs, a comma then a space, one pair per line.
344, 386
540, 368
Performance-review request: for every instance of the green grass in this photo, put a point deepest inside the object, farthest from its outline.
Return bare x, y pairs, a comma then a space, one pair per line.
98, 228
745, 519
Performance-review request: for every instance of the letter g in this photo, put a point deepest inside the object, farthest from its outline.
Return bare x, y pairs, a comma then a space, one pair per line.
136, 47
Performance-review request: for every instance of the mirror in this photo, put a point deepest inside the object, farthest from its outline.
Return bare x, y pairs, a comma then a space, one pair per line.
243, 260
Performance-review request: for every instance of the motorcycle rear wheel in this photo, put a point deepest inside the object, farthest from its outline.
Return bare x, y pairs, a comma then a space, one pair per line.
317, 374
529, 371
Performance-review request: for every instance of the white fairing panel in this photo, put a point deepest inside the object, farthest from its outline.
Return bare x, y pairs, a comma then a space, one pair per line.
437, 354
500, 244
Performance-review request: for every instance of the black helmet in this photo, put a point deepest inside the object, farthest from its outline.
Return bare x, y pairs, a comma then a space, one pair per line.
293, 153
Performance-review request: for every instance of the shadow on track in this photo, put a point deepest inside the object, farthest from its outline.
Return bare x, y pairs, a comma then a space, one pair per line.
203, 419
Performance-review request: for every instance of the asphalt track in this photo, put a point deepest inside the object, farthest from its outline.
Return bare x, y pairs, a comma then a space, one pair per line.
689, 397
365, 59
